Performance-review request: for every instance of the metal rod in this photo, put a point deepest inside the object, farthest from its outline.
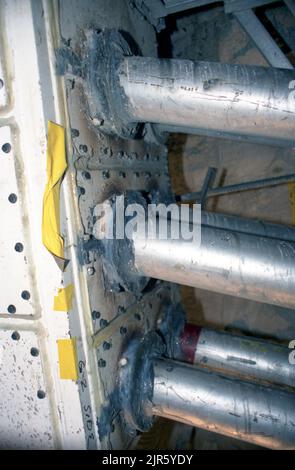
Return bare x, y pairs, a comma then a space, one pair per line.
163, 131
263, 40
231, 6
254, 413
208, 182
248, 358
239, 100
236, 188
228, 262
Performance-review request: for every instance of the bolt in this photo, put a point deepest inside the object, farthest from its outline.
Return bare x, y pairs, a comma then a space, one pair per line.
75, 133
105, 174
90, 271
123, 362
106, 346
80, 190
120, 154
108, 152
97, 121
86, 175
83, 148
123, 330
102, 363
95, 315
103, 322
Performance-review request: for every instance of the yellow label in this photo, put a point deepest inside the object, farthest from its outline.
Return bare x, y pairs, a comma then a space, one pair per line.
63, 299
67, 356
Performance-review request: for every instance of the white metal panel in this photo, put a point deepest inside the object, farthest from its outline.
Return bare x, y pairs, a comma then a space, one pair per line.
24, 407
17, 297
56, 420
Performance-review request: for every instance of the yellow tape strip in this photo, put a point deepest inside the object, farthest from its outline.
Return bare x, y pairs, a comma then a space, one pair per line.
291, 187
63, 300
56, 167
67, 357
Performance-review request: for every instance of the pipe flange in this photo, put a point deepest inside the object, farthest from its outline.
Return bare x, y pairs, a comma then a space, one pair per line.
136, 378
105, 50
118, 254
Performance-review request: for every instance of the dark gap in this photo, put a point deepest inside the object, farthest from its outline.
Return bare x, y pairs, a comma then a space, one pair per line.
261, 15
165, 48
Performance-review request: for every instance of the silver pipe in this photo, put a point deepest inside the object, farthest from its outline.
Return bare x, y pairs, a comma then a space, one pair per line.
250, 226
247, 358
254, 413
233, 99
228, 262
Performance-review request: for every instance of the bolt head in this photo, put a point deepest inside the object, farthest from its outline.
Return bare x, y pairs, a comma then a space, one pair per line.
123, 362
90, 271
97, 121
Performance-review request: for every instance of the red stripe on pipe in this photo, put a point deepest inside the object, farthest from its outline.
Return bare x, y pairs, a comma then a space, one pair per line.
188, 341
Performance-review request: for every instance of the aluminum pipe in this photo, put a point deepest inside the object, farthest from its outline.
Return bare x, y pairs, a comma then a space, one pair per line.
210, 97
250, 226
248, 358
254, 413
228, 262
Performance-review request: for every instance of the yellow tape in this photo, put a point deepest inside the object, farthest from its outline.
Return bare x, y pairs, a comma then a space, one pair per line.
291, 187
63, 300
67, 357
56, 167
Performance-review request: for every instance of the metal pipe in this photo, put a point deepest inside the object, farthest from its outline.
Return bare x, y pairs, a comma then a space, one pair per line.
234, 99
250, 226
228, 262
262, 415
248, 358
